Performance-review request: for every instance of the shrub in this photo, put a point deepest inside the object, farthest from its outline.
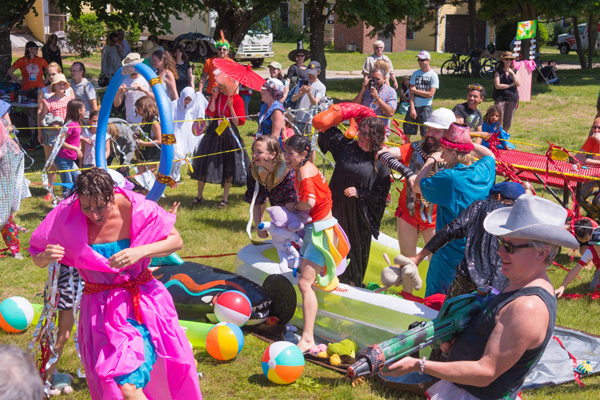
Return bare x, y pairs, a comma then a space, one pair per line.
84, 34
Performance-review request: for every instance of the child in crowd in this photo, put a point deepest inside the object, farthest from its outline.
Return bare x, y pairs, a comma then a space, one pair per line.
88, 142
70, 150
404, 95
318, 255
149, 144
274, 178
491, 124
587, 233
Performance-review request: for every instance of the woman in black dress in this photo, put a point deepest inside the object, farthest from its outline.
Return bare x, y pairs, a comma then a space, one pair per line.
297, 71
51, 51
184, 69
359, 187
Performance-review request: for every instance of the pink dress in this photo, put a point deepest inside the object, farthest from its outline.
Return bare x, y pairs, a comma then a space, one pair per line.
110, 346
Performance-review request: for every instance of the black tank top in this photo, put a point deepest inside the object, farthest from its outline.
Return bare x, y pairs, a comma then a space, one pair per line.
472, 342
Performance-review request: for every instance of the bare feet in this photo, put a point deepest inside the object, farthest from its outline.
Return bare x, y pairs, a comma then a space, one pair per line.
306, 345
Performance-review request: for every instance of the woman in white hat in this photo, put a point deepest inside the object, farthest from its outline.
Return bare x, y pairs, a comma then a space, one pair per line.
271, 120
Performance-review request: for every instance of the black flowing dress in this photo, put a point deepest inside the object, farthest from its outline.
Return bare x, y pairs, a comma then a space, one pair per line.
221, 159
359, 217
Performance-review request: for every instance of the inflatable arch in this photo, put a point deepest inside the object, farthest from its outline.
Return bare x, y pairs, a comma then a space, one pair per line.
166, 123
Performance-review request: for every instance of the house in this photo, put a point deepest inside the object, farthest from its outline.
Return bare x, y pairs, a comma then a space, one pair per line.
49, 19
356, 38
449, 32
294, 15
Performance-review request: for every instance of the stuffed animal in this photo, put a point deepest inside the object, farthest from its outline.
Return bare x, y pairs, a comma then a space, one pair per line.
284, 227
61, 383
404, 273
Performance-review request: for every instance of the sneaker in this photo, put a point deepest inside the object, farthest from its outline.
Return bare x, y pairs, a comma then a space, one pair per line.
18, 256
48, 197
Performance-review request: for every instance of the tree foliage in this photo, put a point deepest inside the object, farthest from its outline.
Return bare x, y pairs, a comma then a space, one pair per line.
85, 33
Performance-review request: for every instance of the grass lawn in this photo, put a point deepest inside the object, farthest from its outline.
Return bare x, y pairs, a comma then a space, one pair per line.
562, 115
551, 52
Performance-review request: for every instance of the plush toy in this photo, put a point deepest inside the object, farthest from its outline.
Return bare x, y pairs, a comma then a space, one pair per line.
284, 227
404, 273
61, 383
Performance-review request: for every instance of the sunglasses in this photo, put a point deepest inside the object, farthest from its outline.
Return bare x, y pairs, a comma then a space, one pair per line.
475, 87
300, 55
422, 60
222, 49
510, 248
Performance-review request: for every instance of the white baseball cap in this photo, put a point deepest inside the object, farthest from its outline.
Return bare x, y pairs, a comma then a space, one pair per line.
424, 55
441, 118
274, 84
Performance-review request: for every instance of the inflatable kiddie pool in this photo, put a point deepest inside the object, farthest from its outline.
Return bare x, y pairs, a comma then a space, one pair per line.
347, 311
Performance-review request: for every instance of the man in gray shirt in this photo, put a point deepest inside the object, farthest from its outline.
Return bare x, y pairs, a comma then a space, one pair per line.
307, 94
84, 90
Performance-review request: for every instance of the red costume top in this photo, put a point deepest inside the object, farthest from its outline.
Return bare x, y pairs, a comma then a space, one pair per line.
315, 187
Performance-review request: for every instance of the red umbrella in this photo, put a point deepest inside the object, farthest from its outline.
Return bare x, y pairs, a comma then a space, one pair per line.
241, 73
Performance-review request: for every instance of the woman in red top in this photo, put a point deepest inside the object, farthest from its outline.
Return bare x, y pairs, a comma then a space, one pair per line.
224, 165
591, 146
325, 244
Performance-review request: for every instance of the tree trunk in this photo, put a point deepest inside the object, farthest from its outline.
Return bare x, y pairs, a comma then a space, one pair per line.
235, 23
579, 44
5, 53
472, 5
592, 38
317, 34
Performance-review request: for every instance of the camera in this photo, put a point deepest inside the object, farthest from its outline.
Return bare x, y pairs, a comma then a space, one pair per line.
372, 83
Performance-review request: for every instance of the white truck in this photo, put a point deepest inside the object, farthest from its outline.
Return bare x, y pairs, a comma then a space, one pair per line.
196, 36
566, 41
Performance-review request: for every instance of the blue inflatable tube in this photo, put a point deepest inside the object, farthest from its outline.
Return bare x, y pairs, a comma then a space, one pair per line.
166, 122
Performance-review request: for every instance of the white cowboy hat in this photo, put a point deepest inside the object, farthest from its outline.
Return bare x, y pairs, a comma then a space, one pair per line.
132, 58
532, 218
441, 118
148, 46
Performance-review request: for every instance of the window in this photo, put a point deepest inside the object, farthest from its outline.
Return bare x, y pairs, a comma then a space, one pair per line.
410, 33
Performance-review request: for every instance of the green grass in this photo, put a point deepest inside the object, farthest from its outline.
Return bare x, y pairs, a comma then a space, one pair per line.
562, 115
550, 52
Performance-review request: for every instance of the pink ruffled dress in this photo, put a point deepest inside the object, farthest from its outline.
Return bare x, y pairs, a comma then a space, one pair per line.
110, 345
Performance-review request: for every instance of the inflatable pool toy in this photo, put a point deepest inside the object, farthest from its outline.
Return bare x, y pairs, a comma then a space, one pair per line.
347, 311
585, 368
166, 124
233, 306
16, 314
194, 288
282, 363
224, 341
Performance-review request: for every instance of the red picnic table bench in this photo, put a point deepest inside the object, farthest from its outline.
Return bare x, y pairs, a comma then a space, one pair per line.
532, 167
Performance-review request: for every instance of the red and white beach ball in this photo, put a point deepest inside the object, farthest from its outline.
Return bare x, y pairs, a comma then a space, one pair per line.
233, 307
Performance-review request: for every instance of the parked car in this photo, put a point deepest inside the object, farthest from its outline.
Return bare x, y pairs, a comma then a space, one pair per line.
566, 41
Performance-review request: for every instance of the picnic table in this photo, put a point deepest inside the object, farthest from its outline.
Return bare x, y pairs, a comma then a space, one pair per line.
532, 167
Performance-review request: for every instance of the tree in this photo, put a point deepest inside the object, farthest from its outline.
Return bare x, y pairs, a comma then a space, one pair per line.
378, 14
151, 14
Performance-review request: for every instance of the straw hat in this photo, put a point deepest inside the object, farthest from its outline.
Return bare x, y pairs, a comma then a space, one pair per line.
57, 79
148, 46
507, 55
531, 218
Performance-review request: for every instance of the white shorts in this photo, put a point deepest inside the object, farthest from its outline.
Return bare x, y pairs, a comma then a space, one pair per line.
444, 390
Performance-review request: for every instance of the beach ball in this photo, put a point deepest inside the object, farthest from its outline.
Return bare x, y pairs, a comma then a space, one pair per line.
224, 341
16, 314
234, 307
283, 363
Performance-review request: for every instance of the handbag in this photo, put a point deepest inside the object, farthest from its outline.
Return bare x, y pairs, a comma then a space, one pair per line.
103, 80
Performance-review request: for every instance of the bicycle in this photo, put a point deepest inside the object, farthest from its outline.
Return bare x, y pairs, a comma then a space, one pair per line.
472, 64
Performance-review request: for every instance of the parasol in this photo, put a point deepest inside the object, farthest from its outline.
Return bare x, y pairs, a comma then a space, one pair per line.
241, 73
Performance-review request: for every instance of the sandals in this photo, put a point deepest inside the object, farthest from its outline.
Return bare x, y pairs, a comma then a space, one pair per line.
197, 201
222, 205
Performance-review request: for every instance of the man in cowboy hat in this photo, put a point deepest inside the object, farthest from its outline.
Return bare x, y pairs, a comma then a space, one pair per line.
453, 189
410, 222
494, 354
132, 88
